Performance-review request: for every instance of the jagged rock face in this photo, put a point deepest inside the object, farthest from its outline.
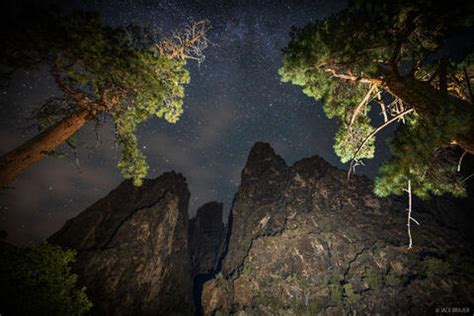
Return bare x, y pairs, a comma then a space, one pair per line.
305, 241
133, 253
206, 233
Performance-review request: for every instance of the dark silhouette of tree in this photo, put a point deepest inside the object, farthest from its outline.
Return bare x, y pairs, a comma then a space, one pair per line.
38, 281
393, 54
125, 72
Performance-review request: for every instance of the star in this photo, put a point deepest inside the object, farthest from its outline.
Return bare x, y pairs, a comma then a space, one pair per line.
234, 99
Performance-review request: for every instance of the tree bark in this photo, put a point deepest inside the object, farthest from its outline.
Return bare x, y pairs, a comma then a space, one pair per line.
429, 103
22, 157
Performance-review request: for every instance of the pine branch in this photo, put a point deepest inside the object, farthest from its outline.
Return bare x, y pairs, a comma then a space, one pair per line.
460, 161
410, 218
378, 129
80, 98
361, 104
384, 112
189, 44
350, 77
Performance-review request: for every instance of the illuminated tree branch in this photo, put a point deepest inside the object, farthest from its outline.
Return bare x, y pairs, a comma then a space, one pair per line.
350, 77
189, 44
378, 129
361, 104
410, 218
460, 161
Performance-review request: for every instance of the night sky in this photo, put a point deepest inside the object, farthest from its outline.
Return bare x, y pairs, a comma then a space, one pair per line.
235, 99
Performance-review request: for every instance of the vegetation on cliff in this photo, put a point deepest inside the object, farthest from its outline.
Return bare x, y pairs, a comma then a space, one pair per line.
125, 72
394, 55
38, 281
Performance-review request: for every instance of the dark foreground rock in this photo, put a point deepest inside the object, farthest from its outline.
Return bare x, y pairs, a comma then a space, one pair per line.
133, 254
306, 242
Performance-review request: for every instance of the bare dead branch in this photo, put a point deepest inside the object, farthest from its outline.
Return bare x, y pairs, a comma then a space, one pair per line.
433, 75
396, 107
415, 221
356, 164
467, 178
378, 129
383, 110
460, 161
381, 104
190, 44
361, 104
410, 218
354, 78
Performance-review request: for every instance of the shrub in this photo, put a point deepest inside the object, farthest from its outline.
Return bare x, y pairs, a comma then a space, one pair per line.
351, 295
433, 266
373, 278
38, 280
335, 294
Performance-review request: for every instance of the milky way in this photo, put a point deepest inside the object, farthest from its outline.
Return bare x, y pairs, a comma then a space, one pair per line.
235, 98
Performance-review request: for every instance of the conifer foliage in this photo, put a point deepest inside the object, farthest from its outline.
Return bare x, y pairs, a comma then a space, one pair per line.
395, 57
128, 73
38, 281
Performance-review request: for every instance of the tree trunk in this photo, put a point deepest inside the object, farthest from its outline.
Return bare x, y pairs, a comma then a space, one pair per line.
17, 160
429, 104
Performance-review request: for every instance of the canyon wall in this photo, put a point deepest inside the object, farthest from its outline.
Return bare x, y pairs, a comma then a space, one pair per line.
305, 241
132, 247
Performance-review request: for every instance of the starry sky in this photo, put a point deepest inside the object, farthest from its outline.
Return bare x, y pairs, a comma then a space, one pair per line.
235, 99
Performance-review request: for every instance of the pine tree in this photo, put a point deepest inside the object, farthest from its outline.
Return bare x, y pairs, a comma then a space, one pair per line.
392, 54
124, 72
38, 281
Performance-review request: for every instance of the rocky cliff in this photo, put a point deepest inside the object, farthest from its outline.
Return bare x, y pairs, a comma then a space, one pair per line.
300, 240
133, 252
304, 241
206, 234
